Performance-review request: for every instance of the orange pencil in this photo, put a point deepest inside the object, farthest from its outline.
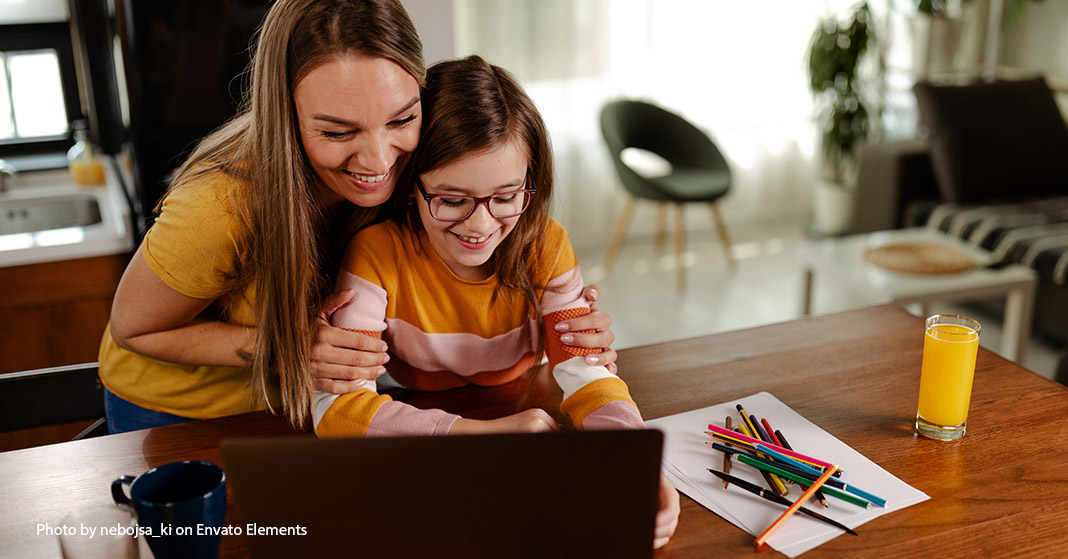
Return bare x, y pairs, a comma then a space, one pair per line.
797, 504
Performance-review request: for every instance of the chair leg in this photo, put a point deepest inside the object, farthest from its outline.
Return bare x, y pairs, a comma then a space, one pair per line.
661, 226
617, 237
680, 247
721, 230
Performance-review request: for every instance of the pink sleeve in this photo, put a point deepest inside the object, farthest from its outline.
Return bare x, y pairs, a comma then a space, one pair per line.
397, 419
617, 414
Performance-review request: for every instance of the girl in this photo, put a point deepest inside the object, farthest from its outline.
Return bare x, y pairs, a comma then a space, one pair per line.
469, 281
220, 300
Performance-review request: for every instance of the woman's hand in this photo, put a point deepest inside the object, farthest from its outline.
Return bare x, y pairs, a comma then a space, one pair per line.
342, 360
591, 331
534, 420
667, 519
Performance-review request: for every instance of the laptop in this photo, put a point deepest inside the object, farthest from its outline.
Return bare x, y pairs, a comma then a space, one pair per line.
567, 494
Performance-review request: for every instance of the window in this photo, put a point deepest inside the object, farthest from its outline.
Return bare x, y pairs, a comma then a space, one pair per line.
31, 96
38, 85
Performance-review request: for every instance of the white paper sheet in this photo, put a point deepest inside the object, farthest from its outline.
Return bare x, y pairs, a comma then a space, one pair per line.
687, 457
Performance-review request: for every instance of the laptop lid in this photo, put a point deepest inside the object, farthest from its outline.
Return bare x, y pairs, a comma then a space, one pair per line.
568, 494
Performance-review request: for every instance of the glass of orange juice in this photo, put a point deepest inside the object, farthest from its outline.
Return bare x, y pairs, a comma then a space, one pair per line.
950, 345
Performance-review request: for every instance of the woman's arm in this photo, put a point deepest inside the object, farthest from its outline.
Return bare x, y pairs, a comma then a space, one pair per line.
151, 318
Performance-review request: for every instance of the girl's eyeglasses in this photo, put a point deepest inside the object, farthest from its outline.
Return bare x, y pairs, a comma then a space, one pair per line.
449, 207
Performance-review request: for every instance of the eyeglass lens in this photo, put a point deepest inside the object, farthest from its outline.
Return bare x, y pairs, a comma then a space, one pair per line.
457, 208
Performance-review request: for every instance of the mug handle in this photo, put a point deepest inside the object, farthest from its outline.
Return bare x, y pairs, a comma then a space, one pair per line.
118, 494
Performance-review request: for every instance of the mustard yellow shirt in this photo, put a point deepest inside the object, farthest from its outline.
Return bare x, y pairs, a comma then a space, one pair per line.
197, 247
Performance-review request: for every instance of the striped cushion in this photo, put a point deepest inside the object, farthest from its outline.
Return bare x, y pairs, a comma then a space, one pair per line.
1033, 232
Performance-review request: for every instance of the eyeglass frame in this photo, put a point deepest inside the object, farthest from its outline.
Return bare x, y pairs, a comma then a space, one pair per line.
479, 201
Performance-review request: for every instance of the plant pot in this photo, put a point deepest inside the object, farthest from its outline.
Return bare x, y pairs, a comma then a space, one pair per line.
832, 207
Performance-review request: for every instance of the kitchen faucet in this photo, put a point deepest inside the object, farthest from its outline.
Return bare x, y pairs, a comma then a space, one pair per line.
6, 169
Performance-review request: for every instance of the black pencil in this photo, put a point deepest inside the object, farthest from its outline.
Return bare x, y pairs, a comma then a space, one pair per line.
773, 497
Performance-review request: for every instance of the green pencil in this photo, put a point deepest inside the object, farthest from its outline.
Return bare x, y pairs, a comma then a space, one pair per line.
798, 479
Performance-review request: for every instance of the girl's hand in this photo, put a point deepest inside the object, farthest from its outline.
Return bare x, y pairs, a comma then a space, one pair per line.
342, 360
534, 420
667, 519
600, 336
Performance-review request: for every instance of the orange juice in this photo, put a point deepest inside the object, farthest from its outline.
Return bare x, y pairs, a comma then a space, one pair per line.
949, 351
90, 171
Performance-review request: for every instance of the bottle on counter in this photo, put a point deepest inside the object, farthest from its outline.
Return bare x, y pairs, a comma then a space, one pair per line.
85, 167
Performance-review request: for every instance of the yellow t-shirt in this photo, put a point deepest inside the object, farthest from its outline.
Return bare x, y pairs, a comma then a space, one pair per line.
197, 246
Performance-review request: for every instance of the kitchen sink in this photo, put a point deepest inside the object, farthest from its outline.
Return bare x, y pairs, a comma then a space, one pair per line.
41, 214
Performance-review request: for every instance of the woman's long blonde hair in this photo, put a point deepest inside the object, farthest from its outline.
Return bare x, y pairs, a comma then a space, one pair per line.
293, 247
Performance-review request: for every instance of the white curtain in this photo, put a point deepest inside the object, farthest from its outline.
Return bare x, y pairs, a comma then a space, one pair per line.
737, 69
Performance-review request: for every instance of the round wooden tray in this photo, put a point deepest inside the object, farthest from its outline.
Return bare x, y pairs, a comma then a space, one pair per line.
920, 258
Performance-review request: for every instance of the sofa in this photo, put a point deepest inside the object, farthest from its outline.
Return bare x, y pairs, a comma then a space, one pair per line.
992, 170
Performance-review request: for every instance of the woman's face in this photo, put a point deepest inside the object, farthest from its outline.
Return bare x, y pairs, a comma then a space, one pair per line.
467, 246
359, 121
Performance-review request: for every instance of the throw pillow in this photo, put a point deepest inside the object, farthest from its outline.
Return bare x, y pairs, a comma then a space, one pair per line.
1002, 139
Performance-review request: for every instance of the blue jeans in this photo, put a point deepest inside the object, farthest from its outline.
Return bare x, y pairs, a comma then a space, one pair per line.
124, 415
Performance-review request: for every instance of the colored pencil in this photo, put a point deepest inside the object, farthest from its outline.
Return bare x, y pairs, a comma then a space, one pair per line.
768, 495
736, 441
794, 507
774, 483
746, 439
752, 448
809, 471
779, 440
754, 427
852, 499
788, 467
726, 455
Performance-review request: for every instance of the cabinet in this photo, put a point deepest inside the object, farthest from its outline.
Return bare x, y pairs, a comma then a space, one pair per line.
54, 313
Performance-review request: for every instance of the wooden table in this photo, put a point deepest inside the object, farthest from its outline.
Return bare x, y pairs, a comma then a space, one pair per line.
1000, 491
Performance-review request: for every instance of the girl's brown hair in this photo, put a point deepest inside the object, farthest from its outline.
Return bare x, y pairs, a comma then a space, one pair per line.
469, 106
293, 244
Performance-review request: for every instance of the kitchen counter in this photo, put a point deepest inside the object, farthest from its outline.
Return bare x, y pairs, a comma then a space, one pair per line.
113, 234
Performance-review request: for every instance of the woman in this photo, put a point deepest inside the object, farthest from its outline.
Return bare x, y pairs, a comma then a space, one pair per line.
234, 276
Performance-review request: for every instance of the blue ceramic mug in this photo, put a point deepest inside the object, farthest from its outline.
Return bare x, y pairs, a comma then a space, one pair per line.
183, 504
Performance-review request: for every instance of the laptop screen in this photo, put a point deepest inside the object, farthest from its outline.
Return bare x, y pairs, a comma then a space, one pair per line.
568, 494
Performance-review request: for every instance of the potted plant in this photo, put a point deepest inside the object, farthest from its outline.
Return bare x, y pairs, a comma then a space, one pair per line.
834, 56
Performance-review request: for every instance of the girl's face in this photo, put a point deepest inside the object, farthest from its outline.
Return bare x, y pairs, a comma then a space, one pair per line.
359, 121
467, 246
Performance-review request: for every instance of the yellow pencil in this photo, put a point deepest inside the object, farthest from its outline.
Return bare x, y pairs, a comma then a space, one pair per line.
797, 504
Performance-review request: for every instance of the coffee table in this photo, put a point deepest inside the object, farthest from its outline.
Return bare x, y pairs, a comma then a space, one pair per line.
843, 258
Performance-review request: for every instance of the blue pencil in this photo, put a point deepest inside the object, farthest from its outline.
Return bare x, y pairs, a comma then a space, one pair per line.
810, 471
